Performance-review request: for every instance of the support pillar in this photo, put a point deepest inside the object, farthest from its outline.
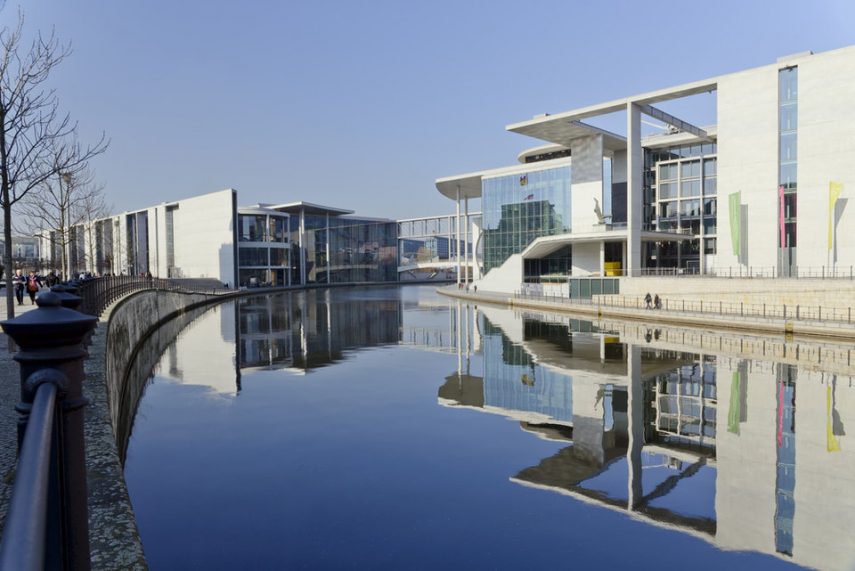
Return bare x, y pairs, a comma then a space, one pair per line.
634, 188
457, 236
302, 247
635, 422
466, 265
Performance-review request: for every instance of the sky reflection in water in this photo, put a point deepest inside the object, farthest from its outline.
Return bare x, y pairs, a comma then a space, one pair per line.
347, 428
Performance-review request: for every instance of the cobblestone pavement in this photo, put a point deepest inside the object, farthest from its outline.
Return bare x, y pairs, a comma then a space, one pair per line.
9, 397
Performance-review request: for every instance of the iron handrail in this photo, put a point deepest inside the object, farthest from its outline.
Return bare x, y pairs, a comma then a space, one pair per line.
23, 543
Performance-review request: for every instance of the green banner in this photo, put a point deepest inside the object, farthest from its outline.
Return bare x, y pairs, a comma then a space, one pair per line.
735, 201
734, 411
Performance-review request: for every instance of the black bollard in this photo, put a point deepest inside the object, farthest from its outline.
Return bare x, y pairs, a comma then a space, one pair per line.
51, 351
66, 299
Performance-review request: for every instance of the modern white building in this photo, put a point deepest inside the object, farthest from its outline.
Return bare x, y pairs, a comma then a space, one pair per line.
720, 198
209, 236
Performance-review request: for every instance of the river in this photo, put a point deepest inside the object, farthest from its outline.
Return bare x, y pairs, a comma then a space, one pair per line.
393, 428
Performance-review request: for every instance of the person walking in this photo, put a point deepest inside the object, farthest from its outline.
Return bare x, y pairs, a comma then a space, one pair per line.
20, 281
657, 303
33, 284
647, 300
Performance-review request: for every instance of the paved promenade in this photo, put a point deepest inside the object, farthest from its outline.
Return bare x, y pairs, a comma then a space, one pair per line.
774, 325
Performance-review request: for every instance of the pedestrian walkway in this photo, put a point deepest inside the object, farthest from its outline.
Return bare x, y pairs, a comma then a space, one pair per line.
673, 315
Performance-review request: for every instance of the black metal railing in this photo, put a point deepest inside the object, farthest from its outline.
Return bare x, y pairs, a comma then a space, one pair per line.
47, 526
99, 293
782, 311
24, 538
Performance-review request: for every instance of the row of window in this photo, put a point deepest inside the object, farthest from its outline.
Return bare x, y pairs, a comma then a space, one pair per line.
687, 208
262, 228
687, 169
263, 256
668, 190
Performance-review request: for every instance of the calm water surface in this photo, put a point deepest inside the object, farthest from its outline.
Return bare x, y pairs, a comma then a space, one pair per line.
395, 429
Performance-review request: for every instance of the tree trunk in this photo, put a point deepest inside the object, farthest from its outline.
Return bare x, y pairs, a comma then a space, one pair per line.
7, 254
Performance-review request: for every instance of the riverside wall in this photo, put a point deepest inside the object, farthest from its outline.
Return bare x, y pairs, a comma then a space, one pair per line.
127, 343
813, 292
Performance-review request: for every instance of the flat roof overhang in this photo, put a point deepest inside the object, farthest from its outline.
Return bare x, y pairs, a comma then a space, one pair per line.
468, 184
308, 207
545, 245
556, 128
564, 132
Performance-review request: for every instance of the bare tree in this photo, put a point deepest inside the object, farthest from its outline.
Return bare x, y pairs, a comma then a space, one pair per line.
31, 126
93, 207
66, 204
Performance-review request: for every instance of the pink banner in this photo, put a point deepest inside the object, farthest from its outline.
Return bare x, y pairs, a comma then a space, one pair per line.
781, 215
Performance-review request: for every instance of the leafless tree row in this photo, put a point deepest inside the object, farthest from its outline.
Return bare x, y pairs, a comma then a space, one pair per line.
44, 172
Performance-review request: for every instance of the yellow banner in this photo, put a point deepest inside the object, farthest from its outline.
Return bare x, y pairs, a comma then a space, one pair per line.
834, 190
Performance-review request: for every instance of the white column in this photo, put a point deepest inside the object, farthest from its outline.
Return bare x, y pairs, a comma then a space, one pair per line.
302, 249
457, 235
634, 189
329, 262
635, 422
603, 258
466, 237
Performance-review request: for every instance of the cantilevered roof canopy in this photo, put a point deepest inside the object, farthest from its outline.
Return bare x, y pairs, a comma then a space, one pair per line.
545, 245
564, 131
554, 127
469, 185
310, 208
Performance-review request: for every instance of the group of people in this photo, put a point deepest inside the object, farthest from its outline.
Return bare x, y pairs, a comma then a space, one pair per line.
655, 301
31, 283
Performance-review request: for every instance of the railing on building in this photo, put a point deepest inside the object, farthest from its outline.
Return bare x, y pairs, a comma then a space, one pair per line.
734, 272
750, 311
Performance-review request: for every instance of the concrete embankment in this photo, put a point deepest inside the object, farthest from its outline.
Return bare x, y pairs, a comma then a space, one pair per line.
123, 329
673, 316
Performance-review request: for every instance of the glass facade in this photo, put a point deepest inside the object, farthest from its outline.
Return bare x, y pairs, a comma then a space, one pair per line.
556, 265
788, 162
426, 240
263, 249
339, 249
520, 207
684, 199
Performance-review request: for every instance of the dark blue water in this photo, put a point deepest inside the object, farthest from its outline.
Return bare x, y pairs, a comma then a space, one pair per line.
393, 428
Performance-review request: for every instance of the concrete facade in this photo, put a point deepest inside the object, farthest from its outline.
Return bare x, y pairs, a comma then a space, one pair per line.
768, 190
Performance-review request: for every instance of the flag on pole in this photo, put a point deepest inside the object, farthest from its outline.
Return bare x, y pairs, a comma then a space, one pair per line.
734, 202
834, 190
781, 208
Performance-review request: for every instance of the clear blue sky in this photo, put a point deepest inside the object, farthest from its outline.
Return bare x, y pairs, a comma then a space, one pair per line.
363, 104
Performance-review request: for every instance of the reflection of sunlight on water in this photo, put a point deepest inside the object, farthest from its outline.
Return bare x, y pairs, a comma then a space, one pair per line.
712, 447
200, 355
744, 453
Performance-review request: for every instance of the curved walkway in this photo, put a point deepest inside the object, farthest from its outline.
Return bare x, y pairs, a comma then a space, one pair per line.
712, 320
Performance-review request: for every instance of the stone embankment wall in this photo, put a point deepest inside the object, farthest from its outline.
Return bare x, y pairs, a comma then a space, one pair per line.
127, 344
806, 291
131, 321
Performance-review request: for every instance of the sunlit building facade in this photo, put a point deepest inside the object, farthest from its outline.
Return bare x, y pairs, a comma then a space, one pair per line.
209, 236
666, 196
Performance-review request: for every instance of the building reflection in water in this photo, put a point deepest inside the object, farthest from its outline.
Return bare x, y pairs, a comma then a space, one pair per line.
645, 435
307, 330
702, 444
